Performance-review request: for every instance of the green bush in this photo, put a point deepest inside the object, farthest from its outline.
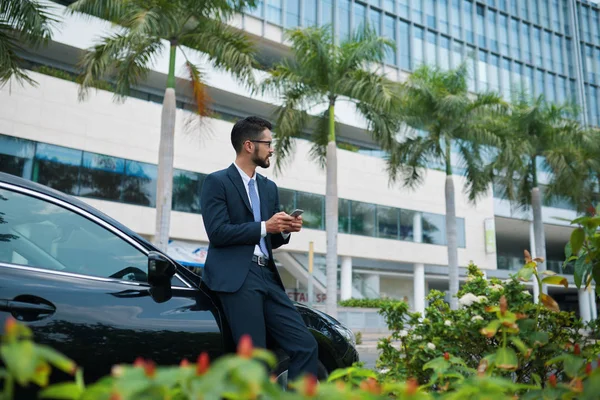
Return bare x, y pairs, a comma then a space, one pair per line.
72, 77
368, 303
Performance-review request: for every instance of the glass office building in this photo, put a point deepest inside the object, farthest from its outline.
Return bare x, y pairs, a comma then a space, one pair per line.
549, 47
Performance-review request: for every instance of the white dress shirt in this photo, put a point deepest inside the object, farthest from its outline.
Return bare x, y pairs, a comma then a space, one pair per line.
263, 225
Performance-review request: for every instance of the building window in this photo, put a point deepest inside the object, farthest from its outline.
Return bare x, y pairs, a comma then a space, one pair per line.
407, 220
388, 5
363, 219
287, 200
292, 13
187, 187
494, 73
481, 36
389, 30
360, 16
492, 30
403, 8
310, 13
387, 222
430, 48
139, 184
456, 18
313, 206
417, 8
57, 167
503, 25
16, 156
258, 10
537, 46
507, 87
101, 176
274, 11
443, 16
344, 19
375, 21
405, 60
468, 20
434, 228
418, 36
444, 52
344, 216
482, 74
326, 12
430, 13
457, 56
460, 233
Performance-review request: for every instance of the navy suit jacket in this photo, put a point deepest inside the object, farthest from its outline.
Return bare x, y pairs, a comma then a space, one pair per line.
231, 229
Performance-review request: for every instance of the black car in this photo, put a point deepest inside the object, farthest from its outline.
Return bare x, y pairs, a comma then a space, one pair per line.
101, 294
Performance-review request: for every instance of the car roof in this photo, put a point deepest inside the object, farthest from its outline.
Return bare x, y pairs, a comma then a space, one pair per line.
27, 184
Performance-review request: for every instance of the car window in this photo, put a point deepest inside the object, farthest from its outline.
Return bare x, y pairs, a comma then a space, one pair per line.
37, 233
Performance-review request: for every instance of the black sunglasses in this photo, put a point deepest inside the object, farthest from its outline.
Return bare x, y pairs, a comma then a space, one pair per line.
268, 142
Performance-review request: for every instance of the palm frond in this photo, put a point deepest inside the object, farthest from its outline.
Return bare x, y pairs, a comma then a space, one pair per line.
110, 10
126, 56
227, 47
364, 47
314, 54
201, 97
478, 177
320, 139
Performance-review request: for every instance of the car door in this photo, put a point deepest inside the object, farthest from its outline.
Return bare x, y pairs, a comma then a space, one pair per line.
80, 284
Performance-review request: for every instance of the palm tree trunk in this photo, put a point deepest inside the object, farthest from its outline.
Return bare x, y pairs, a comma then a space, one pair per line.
331, 217
451, 236
538, 230
164, 184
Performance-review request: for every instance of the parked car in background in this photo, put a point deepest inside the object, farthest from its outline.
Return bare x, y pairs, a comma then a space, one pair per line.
101, 294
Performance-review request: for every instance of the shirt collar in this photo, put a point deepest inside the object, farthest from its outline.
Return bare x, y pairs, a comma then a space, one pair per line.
244, 176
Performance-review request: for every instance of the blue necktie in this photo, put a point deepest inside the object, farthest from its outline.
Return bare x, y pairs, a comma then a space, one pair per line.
256, 211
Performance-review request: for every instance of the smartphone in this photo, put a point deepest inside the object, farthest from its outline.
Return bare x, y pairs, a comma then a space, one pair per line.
297, 212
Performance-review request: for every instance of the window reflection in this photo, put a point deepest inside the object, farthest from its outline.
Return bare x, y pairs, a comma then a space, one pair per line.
186, 191
313, 206
387, 222
434, 228
363, 219
292, 13
139, 184
287, 200
57, 167
344, 216
16, 156
101, 176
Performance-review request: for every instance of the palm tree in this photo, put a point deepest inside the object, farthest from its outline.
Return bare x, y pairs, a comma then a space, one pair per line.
26, 22
538, 135
320, 74
438, 104
126, 56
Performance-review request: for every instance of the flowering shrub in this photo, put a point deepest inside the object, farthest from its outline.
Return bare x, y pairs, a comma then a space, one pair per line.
497, 332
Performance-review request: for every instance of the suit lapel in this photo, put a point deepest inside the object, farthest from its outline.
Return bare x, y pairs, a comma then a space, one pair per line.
236, 179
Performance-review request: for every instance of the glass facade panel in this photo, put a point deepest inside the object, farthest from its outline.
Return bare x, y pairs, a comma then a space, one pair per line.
292, 13
287, 200
443, 16
310, 13
545, 13
388, 5
547, 48
584, 25
344, 19
327, 12
444, 53
472, 65
559, 65
491, 30
430, 13
405, 59
482, 74
434, 228
314, 207
430, 49
455, 18
537, 46
375, 21
403, 8
457, 57
503, 28
524, 13
16, 156
187, 187
417, 48
460, 233
555, 15
360, 16
57, 167
525, 36
259, 10
101, 176
514, 39
596, 26
274, 8
468, 21
389, 31
344, 216
494, 78
363, 219
506, 83
139, 183
407, 220
417, 11
387, 222
481, 36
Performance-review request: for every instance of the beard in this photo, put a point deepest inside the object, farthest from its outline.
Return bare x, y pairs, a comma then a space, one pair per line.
261, 162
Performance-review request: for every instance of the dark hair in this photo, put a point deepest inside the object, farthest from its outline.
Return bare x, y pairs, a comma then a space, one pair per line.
249, 128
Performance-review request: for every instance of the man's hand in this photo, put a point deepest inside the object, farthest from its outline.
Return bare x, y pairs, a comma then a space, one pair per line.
296, 224
280, 222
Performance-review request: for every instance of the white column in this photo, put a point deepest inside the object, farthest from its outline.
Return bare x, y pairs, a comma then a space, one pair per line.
584, 305
372, 286
593, 306
536, 288
417, 228
419, 288
346, 278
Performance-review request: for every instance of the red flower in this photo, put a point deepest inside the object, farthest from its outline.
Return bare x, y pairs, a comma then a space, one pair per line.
412, 385
184, 363
310, 385
447, 356
588, 369
503, 305
552, 380
10, 326
139, 362
202, 364
245, 347
150, 369
577, 349
371, 385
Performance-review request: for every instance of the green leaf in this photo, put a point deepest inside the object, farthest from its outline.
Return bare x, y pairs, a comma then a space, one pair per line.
438, 365
539, 338
573, 365
55, 358
66, 391
556, 280
525, 274
491, 329
549, 302
568, 250
576, 241
506, 359
519, 344
19, 359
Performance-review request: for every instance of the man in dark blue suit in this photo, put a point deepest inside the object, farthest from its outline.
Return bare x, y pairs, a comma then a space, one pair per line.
241, 215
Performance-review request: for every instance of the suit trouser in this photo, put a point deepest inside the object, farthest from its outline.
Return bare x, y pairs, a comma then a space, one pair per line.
261, 306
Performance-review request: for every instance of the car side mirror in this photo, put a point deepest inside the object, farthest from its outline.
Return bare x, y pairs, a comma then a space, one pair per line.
160, 271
